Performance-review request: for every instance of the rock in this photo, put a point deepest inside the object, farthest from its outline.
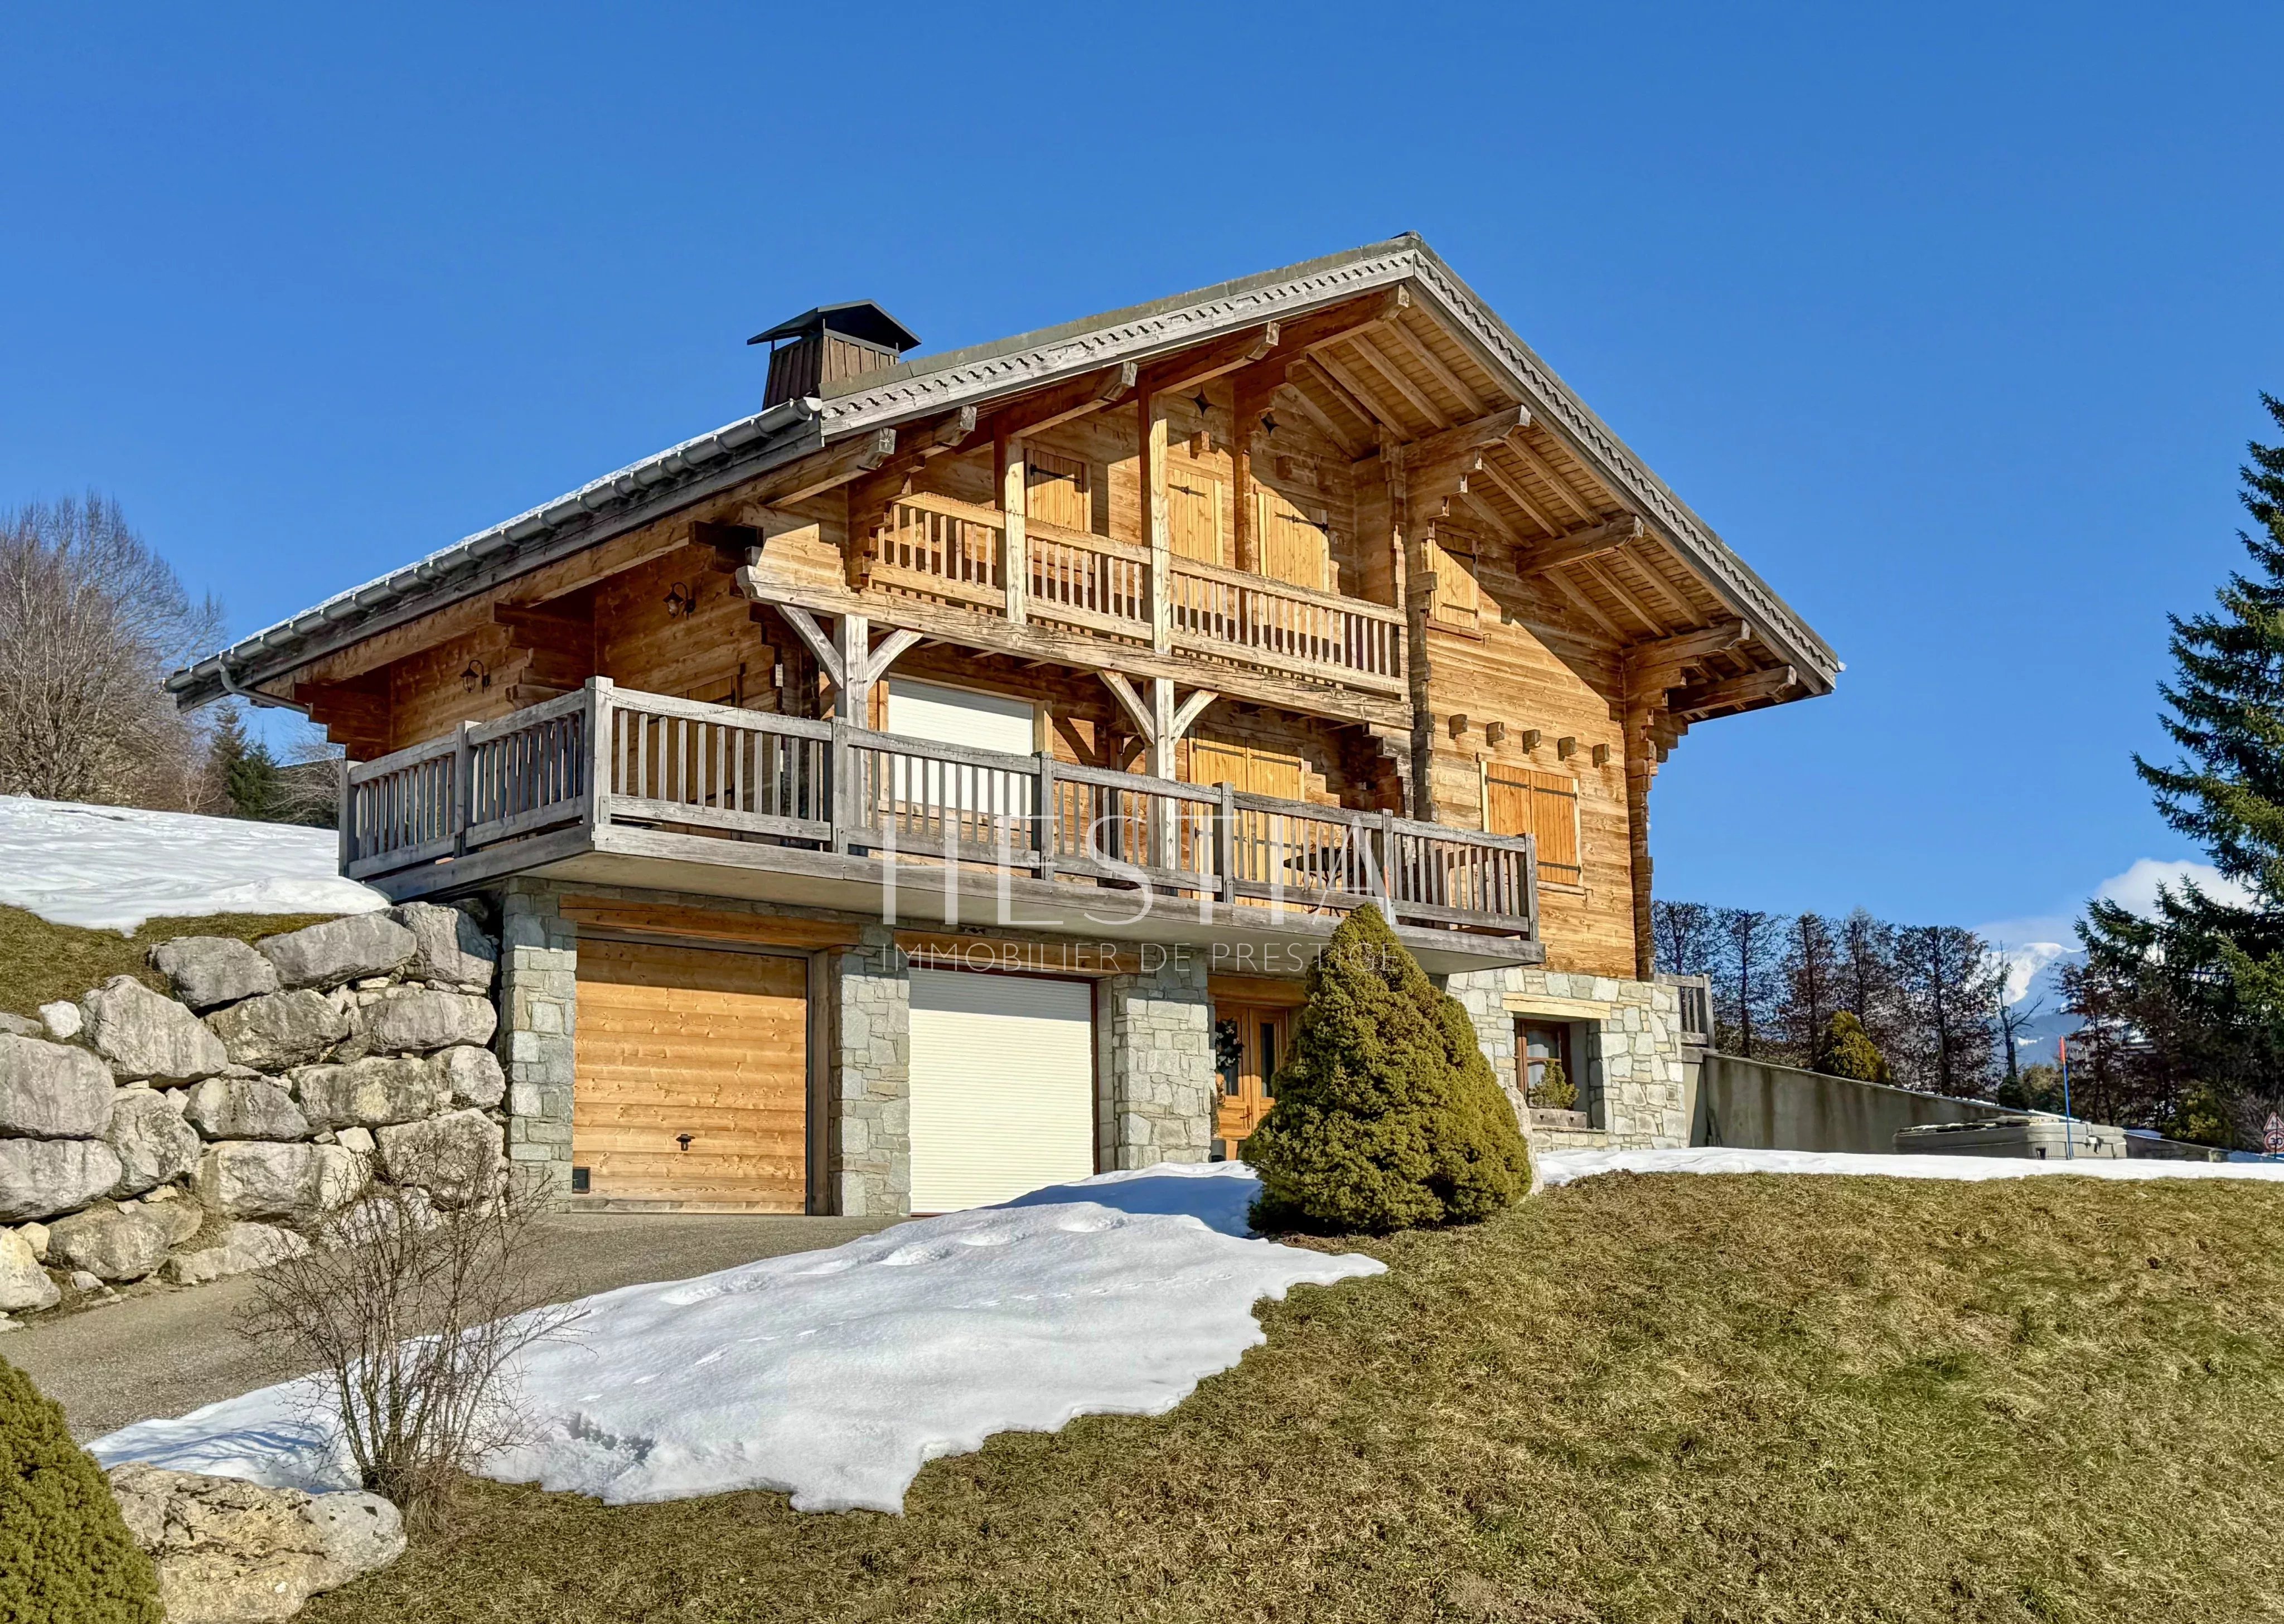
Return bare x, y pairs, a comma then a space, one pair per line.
280, 1029
339, 950
154, 1144
472, 1075
207, 970
51, 1091
227, 1551
422, 1019
362, 1532
144, 1034
181, 1220
452, 950
358, 1140
23, 1283
245, 1108
21, 1025
39, 1177
255, 1179
241, 1248
83, 1282
454, 1158
380, 1213
35, 1236
111, 1243
370, 1093
64, 1019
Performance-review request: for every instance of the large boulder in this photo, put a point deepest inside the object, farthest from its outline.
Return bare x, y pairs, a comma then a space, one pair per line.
471, 1075
154, 1144
207, 970
339, 950
245, 1108
142, 1034
258, 1179
456, 1157
421, 1019
239, 1249
232, 1553
110, 1243
39, 1177
280, 1029
52, 1091
23, 1283
453, 951
372, 1092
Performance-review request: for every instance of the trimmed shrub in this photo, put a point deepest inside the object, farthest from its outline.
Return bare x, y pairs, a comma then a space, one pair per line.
1847, 1050
65, 1554
1387, 1116
1555, 1091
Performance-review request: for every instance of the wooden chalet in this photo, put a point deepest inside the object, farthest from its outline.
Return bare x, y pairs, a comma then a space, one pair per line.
817, 767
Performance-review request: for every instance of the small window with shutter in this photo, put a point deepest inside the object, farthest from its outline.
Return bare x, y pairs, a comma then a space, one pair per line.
1544, 805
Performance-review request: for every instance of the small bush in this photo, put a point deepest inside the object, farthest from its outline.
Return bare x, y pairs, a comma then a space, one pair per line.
1387, 1116
1847, 1050
1555, 1091
65, 1557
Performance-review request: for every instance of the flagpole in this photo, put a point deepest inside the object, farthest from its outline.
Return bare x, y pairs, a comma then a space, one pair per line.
2069, 1149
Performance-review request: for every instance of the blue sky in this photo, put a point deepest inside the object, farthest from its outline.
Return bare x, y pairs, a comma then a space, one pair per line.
1951, 320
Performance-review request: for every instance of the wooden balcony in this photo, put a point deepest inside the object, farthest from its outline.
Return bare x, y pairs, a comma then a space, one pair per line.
621, 787
937, 547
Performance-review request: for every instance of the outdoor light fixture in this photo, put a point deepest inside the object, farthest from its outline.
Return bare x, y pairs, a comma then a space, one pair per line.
680, 601
477, 675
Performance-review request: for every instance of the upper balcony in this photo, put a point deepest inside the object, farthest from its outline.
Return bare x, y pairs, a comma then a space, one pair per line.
618, 787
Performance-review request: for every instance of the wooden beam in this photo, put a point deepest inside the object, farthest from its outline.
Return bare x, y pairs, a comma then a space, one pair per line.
1417, 348
1692, 645
1751, 688
1371, 353
820, 646
1577, 545
1555, 483
1064, 402
1616, 588
1197, 366
1515, 494
533, 625
1490, 515
1569, 590
731, 545
1156, 531
1477, 434
1357, 391
1319, 416
1382, 310
823, 470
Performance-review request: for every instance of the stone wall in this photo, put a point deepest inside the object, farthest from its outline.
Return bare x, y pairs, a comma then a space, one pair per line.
539, 1009
1631, 1083
215, 1131
868, 1142
1154, 1035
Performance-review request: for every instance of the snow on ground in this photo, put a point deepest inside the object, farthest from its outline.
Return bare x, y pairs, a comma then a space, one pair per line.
111, 867
836, 1375
1567, 1166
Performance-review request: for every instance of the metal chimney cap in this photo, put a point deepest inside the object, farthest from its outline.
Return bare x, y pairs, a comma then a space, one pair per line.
859, 319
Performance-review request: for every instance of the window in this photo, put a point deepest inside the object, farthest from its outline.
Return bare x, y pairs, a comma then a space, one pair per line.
1056, 490
1524, 800
1549, 1079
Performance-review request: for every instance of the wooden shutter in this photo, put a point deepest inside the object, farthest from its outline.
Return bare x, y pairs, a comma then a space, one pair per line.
1458, 600
1056, 491
1256, 771
1194, 517
1520, 800
1295, 546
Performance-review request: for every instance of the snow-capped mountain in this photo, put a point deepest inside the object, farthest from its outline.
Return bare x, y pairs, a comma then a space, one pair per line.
2034, 992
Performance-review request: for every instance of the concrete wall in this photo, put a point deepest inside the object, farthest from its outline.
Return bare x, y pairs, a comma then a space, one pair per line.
1755, 1105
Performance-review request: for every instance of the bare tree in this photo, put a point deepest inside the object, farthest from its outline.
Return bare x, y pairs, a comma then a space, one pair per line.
1744, 981
1810, 984
1867, 985
415, 1318
2011, 1019
1946, 975
91, 620
1683, 936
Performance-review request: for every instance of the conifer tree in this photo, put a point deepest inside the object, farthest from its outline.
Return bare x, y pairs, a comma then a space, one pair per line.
1387, 1115
2201, 979
1845, 1050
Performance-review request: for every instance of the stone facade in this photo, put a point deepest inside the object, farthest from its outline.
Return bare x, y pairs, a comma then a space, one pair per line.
1154, 1032
1631, 1087
539, 1013
868, 1141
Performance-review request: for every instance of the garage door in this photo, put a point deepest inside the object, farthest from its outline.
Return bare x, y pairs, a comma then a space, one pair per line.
693, 1068
1003, 1087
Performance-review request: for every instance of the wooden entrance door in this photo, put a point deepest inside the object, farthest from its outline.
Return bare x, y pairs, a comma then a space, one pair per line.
692, 1075
1249, 1044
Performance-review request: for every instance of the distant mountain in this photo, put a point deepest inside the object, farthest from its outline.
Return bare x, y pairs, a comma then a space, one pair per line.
2034, 989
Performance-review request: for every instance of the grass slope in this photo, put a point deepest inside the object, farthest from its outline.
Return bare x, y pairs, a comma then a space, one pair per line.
40, 961
1700, 1398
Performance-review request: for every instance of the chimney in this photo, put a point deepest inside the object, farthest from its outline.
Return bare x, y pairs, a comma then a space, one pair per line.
830, 345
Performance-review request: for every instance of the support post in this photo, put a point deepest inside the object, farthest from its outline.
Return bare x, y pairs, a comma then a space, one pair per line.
1014, 504
1154, 523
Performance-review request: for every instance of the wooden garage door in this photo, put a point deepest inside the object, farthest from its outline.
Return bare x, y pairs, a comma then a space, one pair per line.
691, 1041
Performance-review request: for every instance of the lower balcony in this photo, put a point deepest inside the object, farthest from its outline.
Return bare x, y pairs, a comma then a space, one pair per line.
617, 787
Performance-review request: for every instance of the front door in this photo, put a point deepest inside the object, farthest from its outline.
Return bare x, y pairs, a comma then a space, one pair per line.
1249, 1044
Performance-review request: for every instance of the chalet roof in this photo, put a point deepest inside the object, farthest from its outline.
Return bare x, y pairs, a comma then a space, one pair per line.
922, 386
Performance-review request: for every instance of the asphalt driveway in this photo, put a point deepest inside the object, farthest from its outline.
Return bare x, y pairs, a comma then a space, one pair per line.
163, 1352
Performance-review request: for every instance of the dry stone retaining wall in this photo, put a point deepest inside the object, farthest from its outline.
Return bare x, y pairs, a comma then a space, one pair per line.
211, 1132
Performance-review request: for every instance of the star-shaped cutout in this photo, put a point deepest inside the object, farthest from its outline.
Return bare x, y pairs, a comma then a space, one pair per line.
1267, 422
1201, 402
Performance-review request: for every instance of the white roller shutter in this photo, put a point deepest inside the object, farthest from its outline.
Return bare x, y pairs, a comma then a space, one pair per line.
955, 717
1003, 1087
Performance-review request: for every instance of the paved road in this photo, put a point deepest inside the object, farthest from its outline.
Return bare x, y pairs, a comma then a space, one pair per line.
167, 1352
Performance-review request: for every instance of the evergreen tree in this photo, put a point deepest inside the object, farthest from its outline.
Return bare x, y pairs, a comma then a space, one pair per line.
2201, 981
65, 1552
1387, 1115
244, 770
1844, 1050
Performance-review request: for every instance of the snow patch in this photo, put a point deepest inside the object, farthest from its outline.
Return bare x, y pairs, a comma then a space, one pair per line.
837, 1375
1569, 1167
111, 867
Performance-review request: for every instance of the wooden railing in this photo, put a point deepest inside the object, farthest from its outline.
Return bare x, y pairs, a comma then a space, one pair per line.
940, 548
607, 756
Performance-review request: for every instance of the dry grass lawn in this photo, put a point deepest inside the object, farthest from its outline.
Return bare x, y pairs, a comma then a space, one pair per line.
1637, 1399
40, 961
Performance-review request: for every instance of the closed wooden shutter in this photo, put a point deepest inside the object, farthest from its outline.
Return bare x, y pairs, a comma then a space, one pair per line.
1458, 599
1056, 490
1245, 767
1002, 1087
1520, 800
1194, 517
1296, 546
678, 1041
